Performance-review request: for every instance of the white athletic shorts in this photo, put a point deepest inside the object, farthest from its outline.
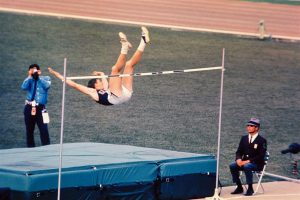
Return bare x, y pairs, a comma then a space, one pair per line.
126, 95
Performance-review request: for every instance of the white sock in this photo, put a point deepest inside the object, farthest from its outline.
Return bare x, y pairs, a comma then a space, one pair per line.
142, 45
125, 48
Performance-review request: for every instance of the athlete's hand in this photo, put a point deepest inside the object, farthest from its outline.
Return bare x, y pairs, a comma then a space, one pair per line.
97, 73
51, 70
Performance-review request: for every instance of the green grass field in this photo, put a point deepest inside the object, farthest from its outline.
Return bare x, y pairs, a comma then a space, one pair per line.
176, 112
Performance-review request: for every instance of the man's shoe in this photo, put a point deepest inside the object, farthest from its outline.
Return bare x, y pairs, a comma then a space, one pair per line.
123, 39
249, 192
145, 35
238, 190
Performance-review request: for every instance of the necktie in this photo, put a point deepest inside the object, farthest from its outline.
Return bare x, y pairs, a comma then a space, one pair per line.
250, 139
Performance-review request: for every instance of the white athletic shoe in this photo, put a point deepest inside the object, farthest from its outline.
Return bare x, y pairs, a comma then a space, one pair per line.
145, 35
123, 39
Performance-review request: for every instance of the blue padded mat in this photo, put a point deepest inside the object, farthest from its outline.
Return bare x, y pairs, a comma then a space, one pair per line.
90, 164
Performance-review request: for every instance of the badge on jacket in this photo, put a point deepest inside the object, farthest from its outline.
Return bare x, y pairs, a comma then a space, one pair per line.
255, 146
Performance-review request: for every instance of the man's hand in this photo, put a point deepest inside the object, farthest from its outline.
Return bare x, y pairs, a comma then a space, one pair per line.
241, 163
30, 72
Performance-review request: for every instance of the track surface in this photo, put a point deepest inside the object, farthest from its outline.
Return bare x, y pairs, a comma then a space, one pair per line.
232, 16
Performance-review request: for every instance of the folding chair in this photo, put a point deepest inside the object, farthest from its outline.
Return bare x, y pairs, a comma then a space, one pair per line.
259, 175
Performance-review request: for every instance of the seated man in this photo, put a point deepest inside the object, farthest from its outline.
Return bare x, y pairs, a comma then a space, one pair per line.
249, 156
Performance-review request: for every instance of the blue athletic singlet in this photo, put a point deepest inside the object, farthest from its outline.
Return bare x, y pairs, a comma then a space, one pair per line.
107, 98
103, 98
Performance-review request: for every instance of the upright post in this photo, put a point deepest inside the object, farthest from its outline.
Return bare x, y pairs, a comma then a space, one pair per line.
216, 194
62, 130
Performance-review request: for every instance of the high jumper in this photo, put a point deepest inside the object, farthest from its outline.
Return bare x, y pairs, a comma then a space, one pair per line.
116, 90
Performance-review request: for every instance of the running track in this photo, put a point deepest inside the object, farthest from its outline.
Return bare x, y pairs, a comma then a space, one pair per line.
227, 16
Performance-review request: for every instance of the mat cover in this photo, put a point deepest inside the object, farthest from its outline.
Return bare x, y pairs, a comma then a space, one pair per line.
102, 171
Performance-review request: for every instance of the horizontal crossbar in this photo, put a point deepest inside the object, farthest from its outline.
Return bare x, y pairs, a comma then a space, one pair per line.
146, 73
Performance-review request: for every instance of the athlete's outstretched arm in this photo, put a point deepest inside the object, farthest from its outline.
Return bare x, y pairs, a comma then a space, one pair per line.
86, 90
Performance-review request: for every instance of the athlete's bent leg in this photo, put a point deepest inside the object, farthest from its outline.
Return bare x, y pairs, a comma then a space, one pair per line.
135, 59
115, 84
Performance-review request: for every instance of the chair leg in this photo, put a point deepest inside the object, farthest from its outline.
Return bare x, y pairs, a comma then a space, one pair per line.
242, 181
259, 175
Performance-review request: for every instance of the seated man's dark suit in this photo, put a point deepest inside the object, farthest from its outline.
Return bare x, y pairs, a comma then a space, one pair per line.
255, 152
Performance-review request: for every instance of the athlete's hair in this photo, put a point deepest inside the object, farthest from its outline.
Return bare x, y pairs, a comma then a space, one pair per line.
91, 83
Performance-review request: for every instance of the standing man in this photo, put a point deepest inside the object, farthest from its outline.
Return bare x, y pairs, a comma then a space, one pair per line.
249, 156
35, 105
